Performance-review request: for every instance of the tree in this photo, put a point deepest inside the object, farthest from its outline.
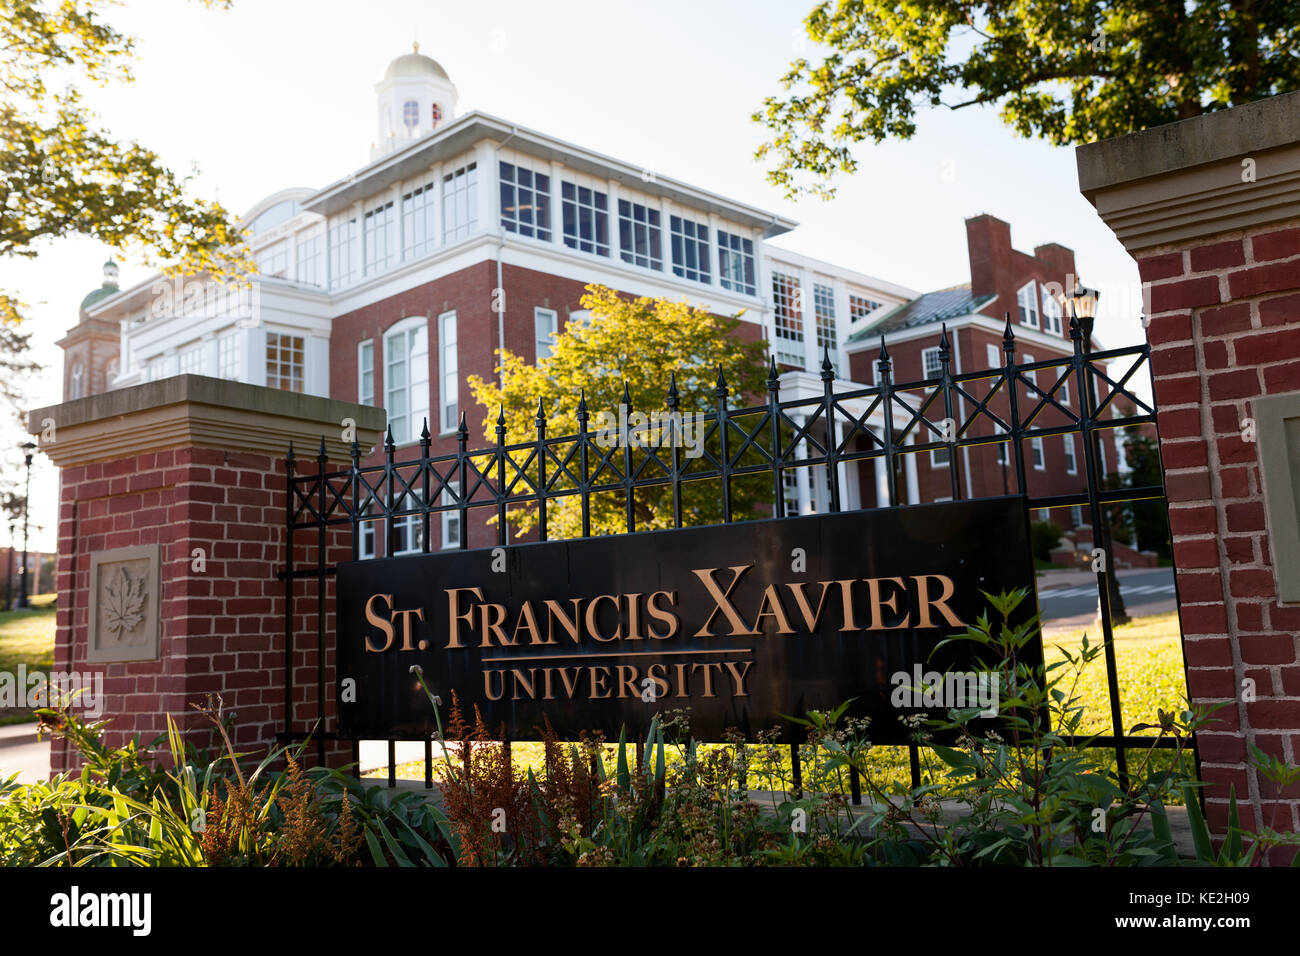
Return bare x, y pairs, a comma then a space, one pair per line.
637, 344
1068, 72
1147, 519
62, 175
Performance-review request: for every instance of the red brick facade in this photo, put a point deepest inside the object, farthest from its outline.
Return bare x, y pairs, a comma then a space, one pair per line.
1225, 329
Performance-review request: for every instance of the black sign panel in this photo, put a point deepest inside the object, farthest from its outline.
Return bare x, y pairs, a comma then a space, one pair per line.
739, 623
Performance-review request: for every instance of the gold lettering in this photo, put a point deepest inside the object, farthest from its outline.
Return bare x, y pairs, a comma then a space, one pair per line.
454, 615
739, 676
593, 627
604, 676
546, 680
877, 617
771, 600
923, 595
379, 622
633, 617
487, 685
498, 614
810, 619
722, 601
708, 676
528, 622
406, 625
627, 683
570, 686
570, 624
846, 595
664, 615
660, 683
529, 685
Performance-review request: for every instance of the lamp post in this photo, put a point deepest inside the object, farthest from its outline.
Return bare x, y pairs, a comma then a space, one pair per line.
1083, 306
28, 447
9, 578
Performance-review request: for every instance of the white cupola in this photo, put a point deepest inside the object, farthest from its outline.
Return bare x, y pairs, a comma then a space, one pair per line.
415, 97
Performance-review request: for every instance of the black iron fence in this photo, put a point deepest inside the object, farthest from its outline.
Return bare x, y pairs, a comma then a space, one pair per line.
822, 435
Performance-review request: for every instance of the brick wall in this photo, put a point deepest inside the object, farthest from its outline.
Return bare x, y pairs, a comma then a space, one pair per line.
1225, 329
222, 626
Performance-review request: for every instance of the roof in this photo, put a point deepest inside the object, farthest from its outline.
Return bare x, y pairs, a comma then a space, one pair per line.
415, 64
932, 307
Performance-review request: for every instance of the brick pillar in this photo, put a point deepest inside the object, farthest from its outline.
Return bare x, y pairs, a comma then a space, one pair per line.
1210, 209
187, 474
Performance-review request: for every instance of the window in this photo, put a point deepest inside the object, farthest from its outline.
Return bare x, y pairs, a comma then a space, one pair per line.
994, 356
341, 239
1004, 448
1031, 375
545, 324
824, 312
380, 254
76, 383
192, 361
408, 534
787, 303
1040, 460
406, 378
366, 545
228, 356
460, 203
1027, 299
525, 201
690, 249
860, 307
586, 218
790, 491
1064, 392
736, 263
309, 261
1076, 515
155, 369
1071, 464
638, 235
274, 261
366, 373
450, 519
284, 361
1051, 313
419, 228
435, 114
450, 382
110, 373
411, 114
931, 363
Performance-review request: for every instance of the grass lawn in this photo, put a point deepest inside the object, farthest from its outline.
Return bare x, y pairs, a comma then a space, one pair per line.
1150, 666
27, 637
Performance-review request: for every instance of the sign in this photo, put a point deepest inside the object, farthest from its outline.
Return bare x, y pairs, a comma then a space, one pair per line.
739, 623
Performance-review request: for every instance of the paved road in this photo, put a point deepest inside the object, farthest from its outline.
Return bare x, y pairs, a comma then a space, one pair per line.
21, 751
1074, 605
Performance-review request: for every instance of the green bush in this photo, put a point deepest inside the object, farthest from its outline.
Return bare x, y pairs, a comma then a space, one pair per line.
1044, 536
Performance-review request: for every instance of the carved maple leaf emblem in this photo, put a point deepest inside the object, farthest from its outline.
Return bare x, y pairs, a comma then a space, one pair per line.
124, 603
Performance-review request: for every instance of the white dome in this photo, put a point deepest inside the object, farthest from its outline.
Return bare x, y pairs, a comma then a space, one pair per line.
415, 64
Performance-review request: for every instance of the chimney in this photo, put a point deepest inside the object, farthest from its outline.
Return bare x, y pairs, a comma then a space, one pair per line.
988, 243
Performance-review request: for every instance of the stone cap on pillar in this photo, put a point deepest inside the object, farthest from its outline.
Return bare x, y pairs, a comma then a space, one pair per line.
198, 411
1204, 176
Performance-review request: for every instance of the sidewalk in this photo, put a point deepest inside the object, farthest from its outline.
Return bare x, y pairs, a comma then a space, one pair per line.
21, 751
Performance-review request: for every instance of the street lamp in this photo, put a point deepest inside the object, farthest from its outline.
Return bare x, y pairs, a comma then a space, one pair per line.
28, 447
9, 578
1083, 306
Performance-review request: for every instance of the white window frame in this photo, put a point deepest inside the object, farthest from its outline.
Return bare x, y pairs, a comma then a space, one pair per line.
787, 319
1051, 316
459, 203
641, 221
411, 526
76, 387
1071, 459
824, 321
1039, 454
1027, 302
366, 365
301, 378
340, 241
378, 254
688, 241
419, 220
447, 424
1031, 375
546, 323
737, 268
925, 362
535, 223
307, 269
451, 519
592, 213
993, 354
416, 388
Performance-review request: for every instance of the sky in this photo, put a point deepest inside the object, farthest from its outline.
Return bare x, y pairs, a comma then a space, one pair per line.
280, 93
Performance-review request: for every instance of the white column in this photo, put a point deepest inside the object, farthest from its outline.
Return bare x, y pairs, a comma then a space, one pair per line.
316, 366
812, 355
715, 252
665, 235
882, 482
252, 343
358, 243
802, 474
614, 253
557, 209
489, 191
910, 475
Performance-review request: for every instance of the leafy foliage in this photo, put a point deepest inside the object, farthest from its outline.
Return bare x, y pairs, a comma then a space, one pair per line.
1069, 72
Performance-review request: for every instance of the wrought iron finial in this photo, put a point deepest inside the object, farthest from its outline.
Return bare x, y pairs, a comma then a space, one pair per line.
673, 397
389, 444
772, 374
721, 385
322, 454
1008, 337
828, 367
627, 396
582, 405
463, 431
541, 411
945, 347
425, 437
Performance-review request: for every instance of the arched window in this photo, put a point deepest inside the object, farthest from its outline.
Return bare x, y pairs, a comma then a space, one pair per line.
411, 114
75, 386
110, 373
437, 115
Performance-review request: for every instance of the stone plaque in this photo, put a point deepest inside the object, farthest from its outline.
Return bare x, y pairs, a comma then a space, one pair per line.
1278, 426
124, 603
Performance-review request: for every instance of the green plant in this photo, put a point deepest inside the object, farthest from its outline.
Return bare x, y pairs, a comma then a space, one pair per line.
1044, 537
